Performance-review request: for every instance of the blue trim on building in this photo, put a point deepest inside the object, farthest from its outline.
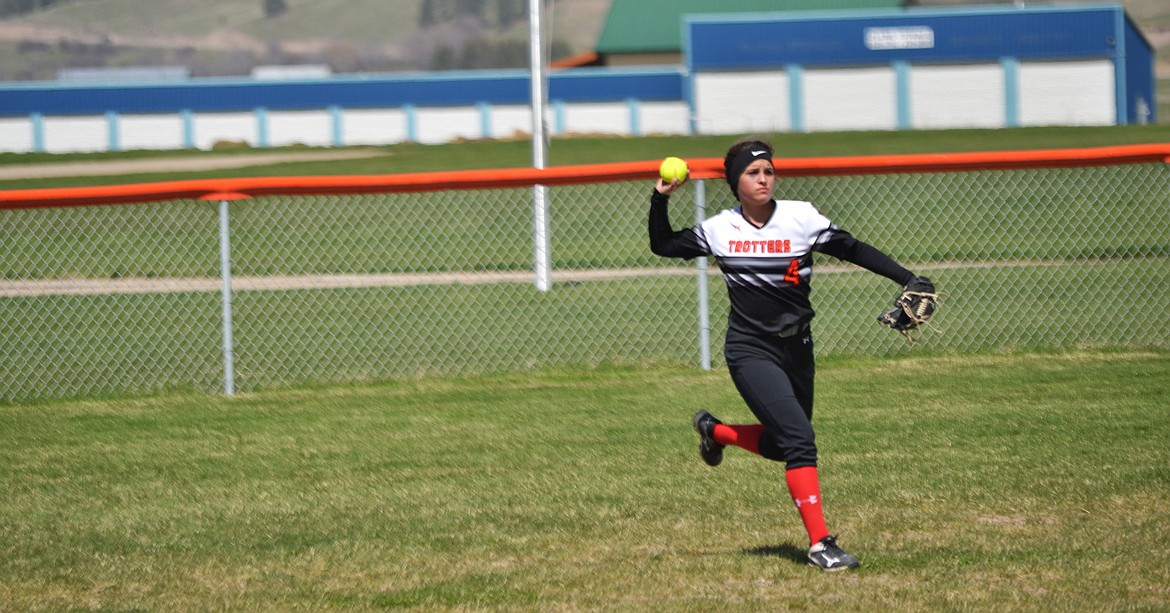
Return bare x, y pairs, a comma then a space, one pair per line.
411, 113
611, 84
928, 35
336, 126
936, 34
485, 119
1120, 74
902, 94
244, 95
634, 107
37, 120
688, 93
188, 119
1011, 91
261, 114
559, 122
795, 96
1140, 78
113, 133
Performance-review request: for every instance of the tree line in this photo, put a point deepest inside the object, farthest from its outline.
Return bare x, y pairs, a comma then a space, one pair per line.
455, 35
476, 42
9, 8
496, 13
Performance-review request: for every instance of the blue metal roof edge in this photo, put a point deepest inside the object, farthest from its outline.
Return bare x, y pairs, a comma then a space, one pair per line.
619, 71
455, 88
1133, 24
342, 79
346, 79
871, 13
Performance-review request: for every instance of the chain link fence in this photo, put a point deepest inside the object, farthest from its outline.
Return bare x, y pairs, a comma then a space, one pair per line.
129, 299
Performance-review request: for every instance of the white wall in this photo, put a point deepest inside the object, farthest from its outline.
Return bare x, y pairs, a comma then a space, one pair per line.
850, 99
211, 128
510, 121
150, 132
443, 125
964, 96
1067, 93
596, 118
16, 135
373, 126
749, 102
742, 102
312, 128
76, 134
938, 97
665, 118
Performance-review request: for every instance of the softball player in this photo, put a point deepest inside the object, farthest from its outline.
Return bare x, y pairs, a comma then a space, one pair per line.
764, 249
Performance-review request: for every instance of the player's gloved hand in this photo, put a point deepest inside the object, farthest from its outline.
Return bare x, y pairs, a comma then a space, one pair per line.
920, 284
913, 307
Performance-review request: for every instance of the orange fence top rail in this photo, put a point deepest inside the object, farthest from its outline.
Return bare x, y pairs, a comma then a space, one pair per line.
701, 168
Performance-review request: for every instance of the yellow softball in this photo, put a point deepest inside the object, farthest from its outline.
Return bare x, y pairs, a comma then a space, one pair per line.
673, 169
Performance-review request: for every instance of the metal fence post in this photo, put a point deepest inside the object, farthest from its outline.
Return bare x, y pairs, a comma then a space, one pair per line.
225, 265
542, 260
703, 299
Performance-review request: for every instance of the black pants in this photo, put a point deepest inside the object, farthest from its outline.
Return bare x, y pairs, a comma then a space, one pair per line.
774, 376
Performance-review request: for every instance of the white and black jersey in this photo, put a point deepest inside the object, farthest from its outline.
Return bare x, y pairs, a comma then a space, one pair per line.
767, 269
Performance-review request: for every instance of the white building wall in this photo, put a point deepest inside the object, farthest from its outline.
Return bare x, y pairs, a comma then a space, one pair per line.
150, 132
961, 96
850, 99
76, 134
510, 121
665, 118
742, 102
755, 102
373, 127
443, 125
16, 135
312, 128
597, 118
1067, 93
212, 128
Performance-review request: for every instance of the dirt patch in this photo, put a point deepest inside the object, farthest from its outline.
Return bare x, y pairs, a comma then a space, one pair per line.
25, 288
66, 287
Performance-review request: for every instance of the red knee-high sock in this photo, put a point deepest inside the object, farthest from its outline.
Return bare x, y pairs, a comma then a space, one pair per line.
747, 437
805, 488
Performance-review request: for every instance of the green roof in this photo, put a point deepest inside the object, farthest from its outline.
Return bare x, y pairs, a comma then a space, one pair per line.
655, 26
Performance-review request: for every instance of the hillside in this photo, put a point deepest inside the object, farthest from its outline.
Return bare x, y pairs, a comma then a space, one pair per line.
230, 37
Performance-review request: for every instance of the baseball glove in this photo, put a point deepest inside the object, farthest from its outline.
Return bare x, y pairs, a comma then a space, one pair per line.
912, 308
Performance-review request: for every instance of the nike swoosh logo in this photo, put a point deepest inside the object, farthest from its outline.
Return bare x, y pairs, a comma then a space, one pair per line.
758, 153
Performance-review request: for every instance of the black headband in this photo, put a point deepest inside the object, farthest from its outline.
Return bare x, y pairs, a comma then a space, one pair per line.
744, 159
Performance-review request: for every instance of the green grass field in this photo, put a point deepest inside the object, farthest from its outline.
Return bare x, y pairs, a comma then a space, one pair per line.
1012, 481
965, 477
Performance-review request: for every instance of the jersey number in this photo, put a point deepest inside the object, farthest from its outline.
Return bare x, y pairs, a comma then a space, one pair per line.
793, 274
